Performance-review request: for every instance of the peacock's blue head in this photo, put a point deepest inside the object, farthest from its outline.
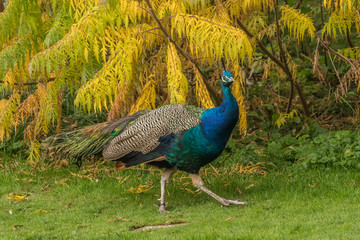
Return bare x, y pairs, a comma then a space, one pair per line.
227, 79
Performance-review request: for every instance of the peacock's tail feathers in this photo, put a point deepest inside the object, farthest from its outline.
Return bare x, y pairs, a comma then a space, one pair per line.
87, 141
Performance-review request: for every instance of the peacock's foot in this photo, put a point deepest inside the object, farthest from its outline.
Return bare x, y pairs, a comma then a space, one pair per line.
226, 202
162, 208
198, 182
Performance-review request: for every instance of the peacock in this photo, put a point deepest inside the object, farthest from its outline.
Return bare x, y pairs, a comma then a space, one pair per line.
175, 137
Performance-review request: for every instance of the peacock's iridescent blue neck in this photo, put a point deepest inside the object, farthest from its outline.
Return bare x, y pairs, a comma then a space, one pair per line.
218, 123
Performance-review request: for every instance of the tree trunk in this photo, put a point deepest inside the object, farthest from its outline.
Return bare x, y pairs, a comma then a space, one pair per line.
2, 8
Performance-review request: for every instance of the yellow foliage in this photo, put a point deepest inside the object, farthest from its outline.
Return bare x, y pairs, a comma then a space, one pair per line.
15, 76
256, 22
10, 24
195, 5
216, 39
146, 100
299, 24
343, 5
343, 17
285, 116
71, 46
177, 82
219, 13
131, 12
170, 6
97, 31
107, 83
140, 189
122, 104
8, 110
249, 169
340, 22
34, 151
257, 5
202, 95
268, 31
237, 91
352, 53
79, 7
17, 197
241, 8
42, 106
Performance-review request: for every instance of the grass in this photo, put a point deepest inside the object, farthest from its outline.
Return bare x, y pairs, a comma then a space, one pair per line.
94, 203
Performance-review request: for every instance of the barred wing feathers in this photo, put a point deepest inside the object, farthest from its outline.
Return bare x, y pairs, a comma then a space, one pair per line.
140, 141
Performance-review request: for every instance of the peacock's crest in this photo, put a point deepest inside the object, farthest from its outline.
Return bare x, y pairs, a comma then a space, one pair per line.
227, 79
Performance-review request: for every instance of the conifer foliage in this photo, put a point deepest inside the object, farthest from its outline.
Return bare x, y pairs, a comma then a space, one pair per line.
119, 57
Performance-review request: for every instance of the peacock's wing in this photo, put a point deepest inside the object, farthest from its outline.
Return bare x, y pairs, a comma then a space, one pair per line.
87, 141
142, 140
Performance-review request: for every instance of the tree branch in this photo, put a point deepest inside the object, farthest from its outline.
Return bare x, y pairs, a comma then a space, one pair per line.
298, 4
26, 84
30, 83
322, 25
282, 56
182, 52
279, 63
348, 39
332, 63
2, 8
326, 45
261, 45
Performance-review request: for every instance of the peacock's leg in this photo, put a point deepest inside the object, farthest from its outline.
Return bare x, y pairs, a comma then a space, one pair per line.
165, 178
198, 182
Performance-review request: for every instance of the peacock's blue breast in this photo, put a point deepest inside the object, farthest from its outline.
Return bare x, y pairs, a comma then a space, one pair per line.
193, 149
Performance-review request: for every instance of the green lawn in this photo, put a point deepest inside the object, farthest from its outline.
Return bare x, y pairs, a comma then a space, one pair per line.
288, 204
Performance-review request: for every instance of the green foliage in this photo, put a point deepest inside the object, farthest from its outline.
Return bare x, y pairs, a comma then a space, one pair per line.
341, 148
314, 148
